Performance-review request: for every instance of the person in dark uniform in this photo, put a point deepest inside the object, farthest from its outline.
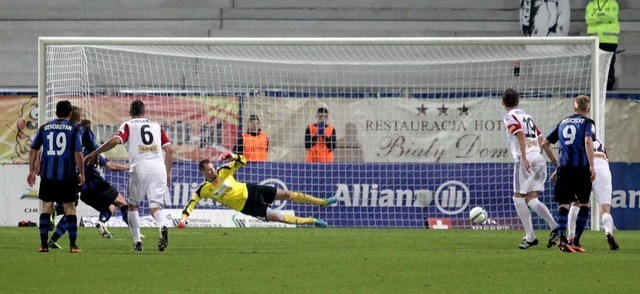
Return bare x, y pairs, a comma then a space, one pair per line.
575, 167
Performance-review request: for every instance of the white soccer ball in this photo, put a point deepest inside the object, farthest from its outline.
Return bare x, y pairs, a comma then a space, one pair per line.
478, 215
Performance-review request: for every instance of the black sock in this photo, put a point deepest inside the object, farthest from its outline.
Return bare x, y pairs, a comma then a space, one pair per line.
124, 210
581, 223
61, 228
563, 216
105, 216
72, 228
45, 222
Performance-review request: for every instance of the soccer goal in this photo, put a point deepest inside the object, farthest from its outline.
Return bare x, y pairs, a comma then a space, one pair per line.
414, 135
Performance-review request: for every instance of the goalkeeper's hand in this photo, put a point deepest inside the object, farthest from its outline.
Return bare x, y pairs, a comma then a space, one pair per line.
225, 156
181, 224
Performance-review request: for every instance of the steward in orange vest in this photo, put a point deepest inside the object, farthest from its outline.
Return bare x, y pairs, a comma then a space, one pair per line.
320, 139
254, 143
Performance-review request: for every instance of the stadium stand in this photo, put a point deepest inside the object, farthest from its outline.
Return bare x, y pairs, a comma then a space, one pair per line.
22, 22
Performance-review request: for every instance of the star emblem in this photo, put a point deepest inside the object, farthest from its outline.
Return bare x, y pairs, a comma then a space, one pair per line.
464, 110
443, 110
422, 109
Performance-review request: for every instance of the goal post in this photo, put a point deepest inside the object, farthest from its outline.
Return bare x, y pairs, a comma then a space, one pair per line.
419, 138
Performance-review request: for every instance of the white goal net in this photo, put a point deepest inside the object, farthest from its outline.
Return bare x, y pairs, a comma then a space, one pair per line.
414, 135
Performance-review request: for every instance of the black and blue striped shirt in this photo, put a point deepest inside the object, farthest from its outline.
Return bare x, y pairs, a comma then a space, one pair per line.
59, 139
91, 173
571, 132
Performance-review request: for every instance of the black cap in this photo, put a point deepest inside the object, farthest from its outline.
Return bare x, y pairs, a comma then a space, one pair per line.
254, 117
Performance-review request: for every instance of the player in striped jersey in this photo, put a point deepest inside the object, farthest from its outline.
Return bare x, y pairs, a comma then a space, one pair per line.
575, 167
602, 189
95, 192
248, 198
530, 168
61, 171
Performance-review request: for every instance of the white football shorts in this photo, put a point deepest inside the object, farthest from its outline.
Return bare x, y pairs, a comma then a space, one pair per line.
154, 186
602, 185
532, 181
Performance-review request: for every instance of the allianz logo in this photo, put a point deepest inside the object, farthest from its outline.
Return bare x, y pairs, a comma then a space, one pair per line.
451, 197
625, 199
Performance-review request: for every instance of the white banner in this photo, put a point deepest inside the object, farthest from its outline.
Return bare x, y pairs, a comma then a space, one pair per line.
452, 130
18, 202
200, 218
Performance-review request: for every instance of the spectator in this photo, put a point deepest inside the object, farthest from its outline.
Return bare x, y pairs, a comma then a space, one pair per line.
541, 18
320, 138
254, 143
602, 21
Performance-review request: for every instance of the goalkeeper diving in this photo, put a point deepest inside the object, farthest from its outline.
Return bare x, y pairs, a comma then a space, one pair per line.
248, 198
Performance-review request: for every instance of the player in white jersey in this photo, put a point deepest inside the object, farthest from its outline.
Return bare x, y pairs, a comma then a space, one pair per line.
530, 168
603, 189
150, 171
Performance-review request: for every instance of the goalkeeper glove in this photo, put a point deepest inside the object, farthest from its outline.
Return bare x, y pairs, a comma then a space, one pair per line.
226, 156
181, 224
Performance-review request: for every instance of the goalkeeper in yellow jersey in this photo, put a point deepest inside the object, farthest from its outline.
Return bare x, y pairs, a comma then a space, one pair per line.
250, 199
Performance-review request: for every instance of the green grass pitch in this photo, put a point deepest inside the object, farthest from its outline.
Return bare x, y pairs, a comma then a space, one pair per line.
317, 261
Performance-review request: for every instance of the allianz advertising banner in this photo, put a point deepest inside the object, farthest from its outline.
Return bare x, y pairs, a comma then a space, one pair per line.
367, 198
625, 201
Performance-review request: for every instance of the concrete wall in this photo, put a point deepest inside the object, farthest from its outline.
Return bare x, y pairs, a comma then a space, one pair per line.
21, 22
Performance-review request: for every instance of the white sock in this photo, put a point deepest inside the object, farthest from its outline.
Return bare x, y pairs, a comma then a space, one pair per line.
525, 217
134, 226
160, 218
571, 222
543, 212
607, 223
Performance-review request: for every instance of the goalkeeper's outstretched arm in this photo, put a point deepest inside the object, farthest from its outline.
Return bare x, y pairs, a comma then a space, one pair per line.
191, 206
237, 160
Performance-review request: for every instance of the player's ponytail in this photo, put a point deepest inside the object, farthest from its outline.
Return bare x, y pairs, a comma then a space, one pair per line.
582, 103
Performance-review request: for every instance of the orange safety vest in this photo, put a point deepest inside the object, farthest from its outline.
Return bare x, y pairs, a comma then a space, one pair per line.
256, 148
319, 151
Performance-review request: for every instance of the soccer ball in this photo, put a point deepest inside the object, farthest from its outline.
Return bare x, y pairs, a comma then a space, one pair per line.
478, 215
